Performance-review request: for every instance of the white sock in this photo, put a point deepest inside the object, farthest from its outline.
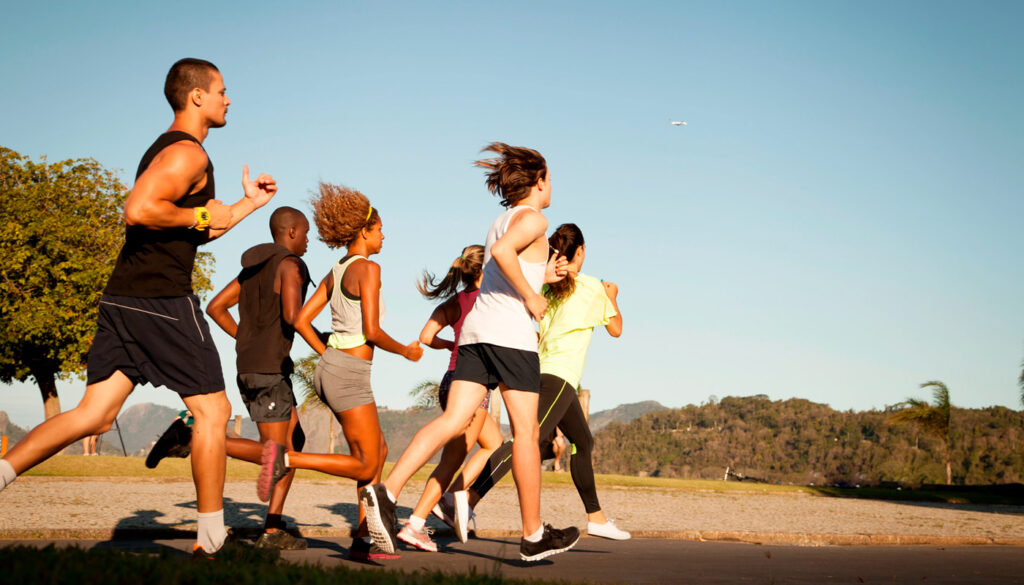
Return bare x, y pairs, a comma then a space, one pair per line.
286, 459
367, 539
417, 523
391, 496
210, 534
7, 474
536, 536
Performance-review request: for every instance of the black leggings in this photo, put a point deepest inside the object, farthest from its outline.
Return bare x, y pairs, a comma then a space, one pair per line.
557, 407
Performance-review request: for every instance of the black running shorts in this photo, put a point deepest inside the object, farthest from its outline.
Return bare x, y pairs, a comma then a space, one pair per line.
267, 397
163, 341
488, 364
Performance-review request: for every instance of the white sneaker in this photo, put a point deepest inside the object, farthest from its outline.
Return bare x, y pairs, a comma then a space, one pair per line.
607, 530
445, 509
461, 515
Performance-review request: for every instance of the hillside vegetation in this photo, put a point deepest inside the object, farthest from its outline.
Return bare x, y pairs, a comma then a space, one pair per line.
798, 441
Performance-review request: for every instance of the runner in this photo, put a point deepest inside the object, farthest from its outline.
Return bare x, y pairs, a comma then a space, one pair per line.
498, 344
466, 270
269, 292
577, 304
345, 218
150, 326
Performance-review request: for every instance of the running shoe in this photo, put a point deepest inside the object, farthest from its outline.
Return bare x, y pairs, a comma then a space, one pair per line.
607, 530
462, 513
553, 541
365, 551
175, 442
272, 470
281, 540
418, 538
445, 509
380, 516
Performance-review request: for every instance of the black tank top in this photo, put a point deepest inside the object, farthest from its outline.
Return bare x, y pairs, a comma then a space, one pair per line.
264, 339
158, 263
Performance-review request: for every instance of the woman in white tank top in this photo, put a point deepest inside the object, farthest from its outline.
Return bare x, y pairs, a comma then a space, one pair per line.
345, 218
496, 346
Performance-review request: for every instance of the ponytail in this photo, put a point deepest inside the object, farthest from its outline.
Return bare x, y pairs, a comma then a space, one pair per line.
465, 269
565, 240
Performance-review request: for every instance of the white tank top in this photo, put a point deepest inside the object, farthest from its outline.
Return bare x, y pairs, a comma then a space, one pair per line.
347, 314
499, 316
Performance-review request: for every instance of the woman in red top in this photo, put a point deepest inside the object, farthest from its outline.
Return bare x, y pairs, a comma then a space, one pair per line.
466, 271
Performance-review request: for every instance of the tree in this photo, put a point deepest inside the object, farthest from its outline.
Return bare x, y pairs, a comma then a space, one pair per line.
426, 395
62, 230
930, 419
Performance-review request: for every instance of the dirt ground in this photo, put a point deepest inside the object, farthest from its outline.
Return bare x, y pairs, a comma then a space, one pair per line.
42, 507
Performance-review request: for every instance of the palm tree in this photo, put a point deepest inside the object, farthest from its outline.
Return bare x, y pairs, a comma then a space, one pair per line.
425, 394
305, 369
931, 419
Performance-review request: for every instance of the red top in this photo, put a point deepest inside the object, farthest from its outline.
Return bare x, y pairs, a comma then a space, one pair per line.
466, 300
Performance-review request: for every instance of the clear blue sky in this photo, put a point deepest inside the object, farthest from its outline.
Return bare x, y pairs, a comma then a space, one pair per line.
839, 221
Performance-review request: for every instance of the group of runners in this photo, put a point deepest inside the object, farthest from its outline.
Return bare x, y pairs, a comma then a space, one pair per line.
151, 329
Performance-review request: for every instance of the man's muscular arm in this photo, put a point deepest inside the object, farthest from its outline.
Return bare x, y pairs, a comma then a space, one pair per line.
174, 173
257, 193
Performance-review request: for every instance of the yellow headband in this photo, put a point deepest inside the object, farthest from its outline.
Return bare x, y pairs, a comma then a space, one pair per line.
369, 213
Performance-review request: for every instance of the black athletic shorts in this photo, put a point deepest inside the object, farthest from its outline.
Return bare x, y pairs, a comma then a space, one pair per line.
446, 385
488, 364
164, 341
268, 397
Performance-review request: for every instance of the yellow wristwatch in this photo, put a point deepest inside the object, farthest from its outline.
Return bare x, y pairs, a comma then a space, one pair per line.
202, 219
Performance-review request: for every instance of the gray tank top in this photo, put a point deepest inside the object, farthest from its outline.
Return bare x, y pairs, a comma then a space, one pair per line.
346, 313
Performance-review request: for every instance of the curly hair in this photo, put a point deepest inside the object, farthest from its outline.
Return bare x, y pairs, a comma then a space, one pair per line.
465, 269
340, 213
514, 172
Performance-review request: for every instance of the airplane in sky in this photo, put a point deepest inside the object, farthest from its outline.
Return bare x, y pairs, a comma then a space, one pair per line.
674, 123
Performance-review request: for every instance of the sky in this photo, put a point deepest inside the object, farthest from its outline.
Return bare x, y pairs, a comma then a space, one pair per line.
838, 221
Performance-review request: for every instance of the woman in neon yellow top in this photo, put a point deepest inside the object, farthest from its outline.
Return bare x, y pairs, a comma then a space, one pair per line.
576, 305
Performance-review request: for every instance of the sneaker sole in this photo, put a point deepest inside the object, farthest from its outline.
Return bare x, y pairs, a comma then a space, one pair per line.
265, 484
461, 515
547, 553
374, 523
412, 541
438, 512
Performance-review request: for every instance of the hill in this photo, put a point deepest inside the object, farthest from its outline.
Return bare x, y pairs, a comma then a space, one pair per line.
800, 441
622, 413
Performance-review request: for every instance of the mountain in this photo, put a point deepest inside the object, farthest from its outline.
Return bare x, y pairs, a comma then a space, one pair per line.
622, 413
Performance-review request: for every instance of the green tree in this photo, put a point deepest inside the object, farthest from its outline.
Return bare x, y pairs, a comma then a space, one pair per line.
62, 230
426, 395
930, 419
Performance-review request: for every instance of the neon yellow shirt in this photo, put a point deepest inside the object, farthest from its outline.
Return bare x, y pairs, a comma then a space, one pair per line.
567, 327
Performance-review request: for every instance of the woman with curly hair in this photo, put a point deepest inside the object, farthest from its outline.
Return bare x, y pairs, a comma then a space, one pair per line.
466, 271
345, 218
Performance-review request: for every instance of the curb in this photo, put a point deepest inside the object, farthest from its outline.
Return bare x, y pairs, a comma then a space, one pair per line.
757, 538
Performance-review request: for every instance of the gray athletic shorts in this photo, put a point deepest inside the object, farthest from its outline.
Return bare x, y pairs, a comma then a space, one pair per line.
268, 397
342, 381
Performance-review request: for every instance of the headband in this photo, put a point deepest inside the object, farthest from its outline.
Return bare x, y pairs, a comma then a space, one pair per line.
369, 213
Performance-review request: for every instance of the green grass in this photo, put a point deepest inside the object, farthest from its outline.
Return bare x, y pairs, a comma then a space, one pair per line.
112, 466
240, 566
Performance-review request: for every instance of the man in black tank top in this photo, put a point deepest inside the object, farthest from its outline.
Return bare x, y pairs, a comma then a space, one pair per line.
269, 292
150, 328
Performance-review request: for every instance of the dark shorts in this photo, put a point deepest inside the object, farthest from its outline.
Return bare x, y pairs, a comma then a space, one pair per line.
163, 341
490, 365
446, 385
267, 397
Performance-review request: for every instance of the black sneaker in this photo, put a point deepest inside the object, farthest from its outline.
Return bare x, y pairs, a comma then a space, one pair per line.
280, 540
553, 541
365, 551
380, 517
234, 546
272, 471
175, 442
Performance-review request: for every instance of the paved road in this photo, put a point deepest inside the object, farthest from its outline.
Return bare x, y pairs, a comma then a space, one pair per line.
662, 561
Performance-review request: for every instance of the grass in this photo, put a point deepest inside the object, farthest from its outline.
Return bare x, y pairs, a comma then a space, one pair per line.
72, 565
172, 468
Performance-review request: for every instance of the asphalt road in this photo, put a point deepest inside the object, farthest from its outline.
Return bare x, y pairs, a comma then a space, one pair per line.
661, 561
